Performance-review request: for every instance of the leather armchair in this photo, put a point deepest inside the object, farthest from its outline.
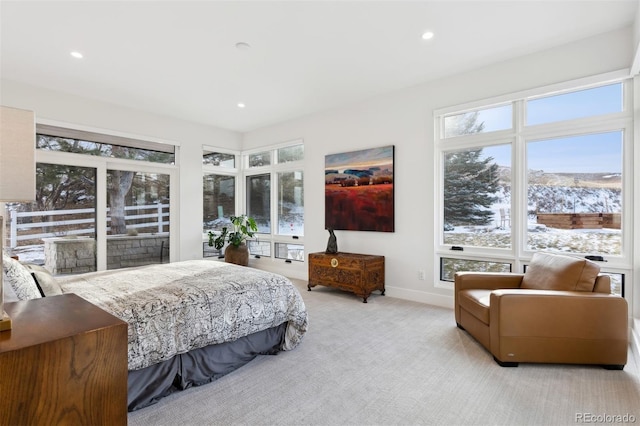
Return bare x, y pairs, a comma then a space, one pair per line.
560, 311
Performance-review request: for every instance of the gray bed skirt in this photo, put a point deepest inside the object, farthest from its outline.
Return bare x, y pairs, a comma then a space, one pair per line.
199, 366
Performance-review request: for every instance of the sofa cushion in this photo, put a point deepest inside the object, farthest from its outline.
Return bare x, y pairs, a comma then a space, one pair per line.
476, 302
549, 271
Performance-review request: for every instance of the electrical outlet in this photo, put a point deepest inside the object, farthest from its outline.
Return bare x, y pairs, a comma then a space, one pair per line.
421, 275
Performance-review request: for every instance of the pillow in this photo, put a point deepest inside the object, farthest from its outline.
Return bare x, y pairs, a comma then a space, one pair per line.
8, 295
20, 279
550, 271
47, 284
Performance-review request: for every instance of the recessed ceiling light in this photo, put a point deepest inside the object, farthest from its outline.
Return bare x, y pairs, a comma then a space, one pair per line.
427, 35
243, 46
241, 105
77, 54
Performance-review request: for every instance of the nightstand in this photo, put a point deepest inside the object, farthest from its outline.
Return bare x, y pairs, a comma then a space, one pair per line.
63, 362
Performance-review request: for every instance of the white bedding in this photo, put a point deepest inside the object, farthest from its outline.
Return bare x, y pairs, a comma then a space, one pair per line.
176, 307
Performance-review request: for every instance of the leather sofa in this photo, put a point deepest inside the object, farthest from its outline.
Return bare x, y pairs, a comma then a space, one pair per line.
560, 310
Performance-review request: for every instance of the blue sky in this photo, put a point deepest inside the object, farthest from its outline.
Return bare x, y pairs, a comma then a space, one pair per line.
593, 153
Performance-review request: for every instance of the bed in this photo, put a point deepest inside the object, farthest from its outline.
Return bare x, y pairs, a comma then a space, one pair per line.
189, 323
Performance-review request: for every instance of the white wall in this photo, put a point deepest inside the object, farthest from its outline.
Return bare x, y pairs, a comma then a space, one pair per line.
405, 119
63, 108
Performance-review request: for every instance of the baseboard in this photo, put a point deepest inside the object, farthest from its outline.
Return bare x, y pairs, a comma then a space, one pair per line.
292, 270
443, 301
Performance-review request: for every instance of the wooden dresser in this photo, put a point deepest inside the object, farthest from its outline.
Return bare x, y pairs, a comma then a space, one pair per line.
358, 273
64, 362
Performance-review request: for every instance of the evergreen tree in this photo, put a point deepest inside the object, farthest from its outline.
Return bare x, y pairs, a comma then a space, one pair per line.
469, 180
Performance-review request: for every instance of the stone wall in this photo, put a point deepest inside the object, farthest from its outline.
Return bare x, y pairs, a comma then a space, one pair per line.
124, 251
69, 255
74, 255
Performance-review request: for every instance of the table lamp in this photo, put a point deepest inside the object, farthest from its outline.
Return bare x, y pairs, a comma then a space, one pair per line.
17, 171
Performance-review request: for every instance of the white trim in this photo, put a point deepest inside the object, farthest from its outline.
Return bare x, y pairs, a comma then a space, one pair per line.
444, 301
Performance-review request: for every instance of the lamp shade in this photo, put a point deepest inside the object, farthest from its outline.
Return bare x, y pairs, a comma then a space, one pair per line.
17, 155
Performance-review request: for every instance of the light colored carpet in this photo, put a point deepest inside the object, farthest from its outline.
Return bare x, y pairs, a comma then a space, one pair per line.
394, 362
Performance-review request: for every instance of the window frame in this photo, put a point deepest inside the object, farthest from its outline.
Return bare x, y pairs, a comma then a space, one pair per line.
241, 173
210, 169
102, 164
519, 136
274, 169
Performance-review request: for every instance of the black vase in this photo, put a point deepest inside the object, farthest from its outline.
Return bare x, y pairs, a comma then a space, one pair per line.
332, 245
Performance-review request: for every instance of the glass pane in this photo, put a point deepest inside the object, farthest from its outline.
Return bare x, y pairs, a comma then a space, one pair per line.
208, 251
137, 218
575, 194
219, 159
617, 283
260, 159
219, 201
568, 106
290, 203
477, 197
259, 201
259, 248
290, 251
58, 229
291, 153
52, 143
479, 121
448, 267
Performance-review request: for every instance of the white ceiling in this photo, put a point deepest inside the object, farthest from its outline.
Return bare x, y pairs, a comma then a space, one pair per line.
178, 58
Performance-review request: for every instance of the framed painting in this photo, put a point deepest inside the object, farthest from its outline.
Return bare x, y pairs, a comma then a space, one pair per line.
359, 190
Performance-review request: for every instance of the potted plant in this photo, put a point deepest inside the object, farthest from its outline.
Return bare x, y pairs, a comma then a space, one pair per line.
237, 252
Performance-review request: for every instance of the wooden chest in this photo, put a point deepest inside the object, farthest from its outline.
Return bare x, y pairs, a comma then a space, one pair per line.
358, 273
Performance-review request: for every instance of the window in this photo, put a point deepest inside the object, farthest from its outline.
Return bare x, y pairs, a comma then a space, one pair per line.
291, 153
478, 121
65, 208
219, 159
577, 104
274, 197
574, 190
258, 189
448, 266
543, 172
290, 203
272, 182
138, 214
477, 197
260, 159
219, 201
220, 194
103, 202
103, 145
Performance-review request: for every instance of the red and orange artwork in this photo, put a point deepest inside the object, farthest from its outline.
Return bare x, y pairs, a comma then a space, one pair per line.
359, 190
